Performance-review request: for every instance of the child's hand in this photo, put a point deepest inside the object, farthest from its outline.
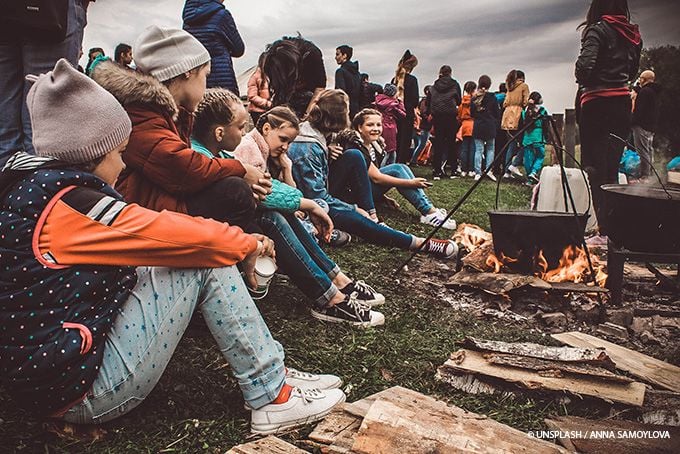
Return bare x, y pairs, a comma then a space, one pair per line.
419, 183
334, 151
285, 162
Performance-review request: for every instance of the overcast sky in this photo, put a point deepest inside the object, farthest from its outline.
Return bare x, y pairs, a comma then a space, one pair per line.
474, 37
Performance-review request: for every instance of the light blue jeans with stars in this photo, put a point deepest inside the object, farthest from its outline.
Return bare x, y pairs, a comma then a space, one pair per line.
150, 324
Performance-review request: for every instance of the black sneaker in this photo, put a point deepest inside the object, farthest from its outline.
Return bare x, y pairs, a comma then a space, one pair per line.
352, 311
364, 293
339, 238
444, 249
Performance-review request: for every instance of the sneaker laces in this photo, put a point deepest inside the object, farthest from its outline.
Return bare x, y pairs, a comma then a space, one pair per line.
294, 373
359, 307
437, 246
364, 288
308, 395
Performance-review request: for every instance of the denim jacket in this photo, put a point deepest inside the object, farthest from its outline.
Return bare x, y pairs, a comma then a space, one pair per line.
309, 154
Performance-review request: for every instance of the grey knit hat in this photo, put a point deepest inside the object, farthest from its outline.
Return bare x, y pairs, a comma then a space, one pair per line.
390, 90
167, 52
73, 118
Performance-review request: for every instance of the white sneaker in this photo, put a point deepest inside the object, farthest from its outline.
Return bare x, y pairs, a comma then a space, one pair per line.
305, 380
514, 171
303, 407
478, 177
437, 218
507, 175
491, 177
471, 173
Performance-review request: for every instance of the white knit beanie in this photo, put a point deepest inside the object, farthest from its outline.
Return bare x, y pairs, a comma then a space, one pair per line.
167, 52
73, 118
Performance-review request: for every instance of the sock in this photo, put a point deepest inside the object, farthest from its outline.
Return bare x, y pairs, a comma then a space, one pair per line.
347, 289
284, 394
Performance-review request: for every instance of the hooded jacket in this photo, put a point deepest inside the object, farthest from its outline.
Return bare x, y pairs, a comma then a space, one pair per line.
162, 170
646, 112
348, 79
485, 111
392, 111
445, 96
610, 54
516, 100
464, 117
214, 27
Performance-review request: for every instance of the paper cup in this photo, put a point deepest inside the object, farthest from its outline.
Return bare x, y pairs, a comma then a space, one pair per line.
265, 267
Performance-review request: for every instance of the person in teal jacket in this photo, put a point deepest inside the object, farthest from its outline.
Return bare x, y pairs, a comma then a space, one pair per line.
534, 137
219, 125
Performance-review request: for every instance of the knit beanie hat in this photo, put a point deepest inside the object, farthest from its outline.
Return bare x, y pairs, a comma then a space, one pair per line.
167, 52
73, 118
390, 90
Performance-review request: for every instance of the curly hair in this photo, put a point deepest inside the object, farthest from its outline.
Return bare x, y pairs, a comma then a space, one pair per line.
216, 108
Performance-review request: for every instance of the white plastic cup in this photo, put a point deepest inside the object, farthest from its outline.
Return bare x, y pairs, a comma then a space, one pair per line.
265, 267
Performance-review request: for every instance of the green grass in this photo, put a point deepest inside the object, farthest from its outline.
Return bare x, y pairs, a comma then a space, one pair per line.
197, 407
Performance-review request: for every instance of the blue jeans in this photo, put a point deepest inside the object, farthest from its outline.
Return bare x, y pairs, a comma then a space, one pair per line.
300, 257
423, 137
467, 154
415, 196
19, 59
512, 147
150, 324
484, 148
534, 155
355, 223
348, 180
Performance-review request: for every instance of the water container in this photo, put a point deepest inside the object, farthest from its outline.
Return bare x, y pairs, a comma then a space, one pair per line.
551, 194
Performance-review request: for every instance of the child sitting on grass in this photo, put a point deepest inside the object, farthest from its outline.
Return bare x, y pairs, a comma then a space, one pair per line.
366, 129
311, 153
90, 314
336, 297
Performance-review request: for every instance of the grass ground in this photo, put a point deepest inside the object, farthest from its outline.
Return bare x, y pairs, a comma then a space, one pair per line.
197, 407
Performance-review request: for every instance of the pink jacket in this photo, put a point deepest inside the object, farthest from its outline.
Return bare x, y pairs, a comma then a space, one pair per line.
391, 109
253, 150
258, 93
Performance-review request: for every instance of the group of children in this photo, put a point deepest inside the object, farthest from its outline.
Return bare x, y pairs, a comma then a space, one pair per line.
101, 283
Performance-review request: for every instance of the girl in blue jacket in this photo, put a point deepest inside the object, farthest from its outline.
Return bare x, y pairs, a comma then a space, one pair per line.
533, 140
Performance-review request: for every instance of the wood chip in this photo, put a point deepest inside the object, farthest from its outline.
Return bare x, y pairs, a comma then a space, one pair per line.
268, 445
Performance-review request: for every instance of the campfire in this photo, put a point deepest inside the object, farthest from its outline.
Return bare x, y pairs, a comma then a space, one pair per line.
573, 264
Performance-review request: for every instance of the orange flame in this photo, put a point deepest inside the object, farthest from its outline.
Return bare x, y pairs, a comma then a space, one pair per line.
498, 262
572, 267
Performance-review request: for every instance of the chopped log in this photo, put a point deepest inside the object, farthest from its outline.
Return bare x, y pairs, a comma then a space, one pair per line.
621, 437
466, 383
360, 407
337, 430
589, 355
495, 283
646, 368
269, 444
556, 368
474, 363
477, 258
661, 407
413, 422
648, 311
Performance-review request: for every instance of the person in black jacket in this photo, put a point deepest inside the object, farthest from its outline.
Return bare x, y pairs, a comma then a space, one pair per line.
645, 118
445, 97
347, 77
608, 61
407, 91
486, 113
368, 92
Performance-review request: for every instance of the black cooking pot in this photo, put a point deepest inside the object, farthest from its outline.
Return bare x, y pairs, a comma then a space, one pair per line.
643, 218
522, 234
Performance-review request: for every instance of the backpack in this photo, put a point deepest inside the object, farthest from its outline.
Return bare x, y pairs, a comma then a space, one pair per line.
37, 20
443, 103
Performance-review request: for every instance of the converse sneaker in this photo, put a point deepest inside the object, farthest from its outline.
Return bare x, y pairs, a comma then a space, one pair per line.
444, 249
514, 171
304, 406
364, 293
305, 380
352, 311
339, 238
437, 218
